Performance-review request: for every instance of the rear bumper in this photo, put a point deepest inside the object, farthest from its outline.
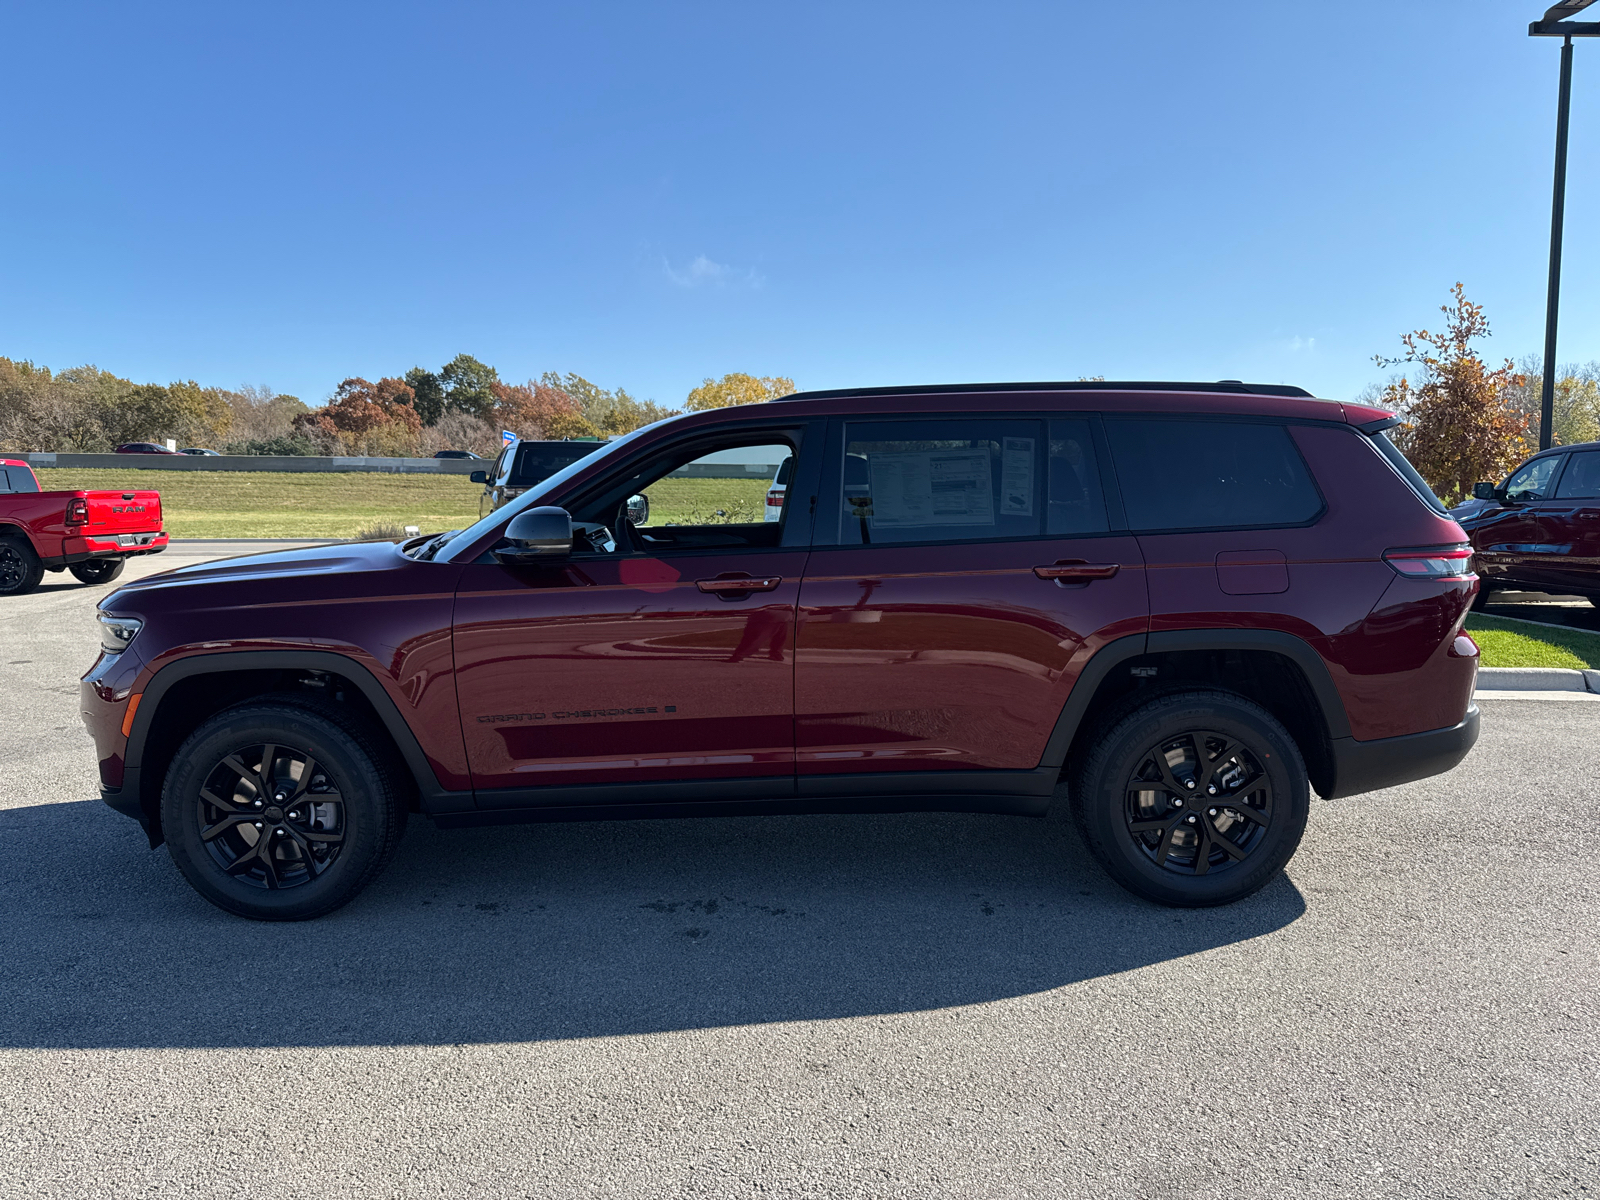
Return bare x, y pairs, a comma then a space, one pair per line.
81, 549
1387, 762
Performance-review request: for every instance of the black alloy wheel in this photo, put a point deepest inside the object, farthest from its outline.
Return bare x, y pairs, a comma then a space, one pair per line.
1192, 798
98, 570
270, 817
1199, 802
282, 809
20, 568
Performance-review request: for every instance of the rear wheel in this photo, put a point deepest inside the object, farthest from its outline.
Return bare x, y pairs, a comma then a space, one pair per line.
282, 812
1193, 799
98, 570
1481, 600
20, 568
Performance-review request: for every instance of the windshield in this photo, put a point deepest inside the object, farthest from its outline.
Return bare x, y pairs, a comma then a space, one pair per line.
533, 496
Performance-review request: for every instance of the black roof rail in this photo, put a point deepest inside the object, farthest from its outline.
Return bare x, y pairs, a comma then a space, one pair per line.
1225, 386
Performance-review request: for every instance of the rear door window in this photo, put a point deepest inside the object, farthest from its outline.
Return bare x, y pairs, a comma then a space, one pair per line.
1180, 474
1581, 480
941, 481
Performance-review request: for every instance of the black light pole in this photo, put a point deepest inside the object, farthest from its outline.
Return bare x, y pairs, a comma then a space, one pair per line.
1555, 24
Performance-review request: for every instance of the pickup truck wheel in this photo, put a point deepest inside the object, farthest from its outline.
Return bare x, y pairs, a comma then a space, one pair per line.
98, 570
281, 812
20, 568
1193, 799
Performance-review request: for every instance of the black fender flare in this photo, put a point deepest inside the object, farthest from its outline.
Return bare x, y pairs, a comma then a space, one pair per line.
435, 798
1123, 650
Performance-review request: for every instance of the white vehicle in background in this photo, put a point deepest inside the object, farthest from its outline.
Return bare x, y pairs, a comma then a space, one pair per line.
775, 493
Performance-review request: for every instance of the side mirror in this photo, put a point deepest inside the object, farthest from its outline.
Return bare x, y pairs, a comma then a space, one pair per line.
639, 510
479, 477
537, 535
1483, 491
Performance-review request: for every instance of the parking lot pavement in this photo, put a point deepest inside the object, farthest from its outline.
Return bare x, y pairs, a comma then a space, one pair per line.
899, 1006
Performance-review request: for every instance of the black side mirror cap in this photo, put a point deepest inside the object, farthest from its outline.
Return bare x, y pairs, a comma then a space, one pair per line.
479, 477
536, 535
1484, 491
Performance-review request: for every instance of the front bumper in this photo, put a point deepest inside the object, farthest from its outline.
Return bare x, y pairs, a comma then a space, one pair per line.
1387, 762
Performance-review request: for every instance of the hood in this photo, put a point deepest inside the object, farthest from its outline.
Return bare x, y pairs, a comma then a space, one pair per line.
346, 558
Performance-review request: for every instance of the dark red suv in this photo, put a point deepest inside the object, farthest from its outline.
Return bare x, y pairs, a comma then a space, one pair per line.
1190, 603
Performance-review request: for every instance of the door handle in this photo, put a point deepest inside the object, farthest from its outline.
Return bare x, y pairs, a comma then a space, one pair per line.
723, 586
1075, 570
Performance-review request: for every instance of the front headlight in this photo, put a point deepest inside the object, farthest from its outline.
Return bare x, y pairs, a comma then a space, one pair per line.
117, 632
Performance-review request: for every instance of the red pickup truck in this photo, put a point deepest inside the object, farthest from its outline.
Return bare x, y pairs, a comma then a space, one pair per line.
90, 534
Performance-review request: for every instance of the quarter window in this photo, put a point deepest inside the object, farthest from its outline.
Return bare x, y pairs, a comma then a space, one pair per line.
1210, 475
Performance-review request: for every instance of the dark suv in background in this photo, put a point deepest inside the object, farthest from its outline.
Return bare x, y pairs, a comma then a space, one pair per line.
1540, 529
1191, 603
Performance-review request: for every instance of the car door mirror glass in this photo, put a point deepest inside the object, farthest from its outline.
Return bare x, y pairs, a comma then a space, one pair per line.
1483, 491
479, 477
536, 535
639, 510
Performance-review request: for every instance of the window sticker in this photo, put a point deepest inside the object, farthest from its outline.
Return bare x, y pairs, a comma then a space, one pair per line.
932, 487
1016, 477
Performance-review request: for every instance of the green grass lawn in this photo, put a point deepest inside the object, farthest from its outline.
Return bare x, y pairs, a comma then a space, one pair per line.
292, 504
1520, 644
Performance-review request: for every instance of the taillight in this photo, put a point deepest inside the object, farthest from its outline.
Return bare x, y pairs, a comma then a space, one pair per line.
774, 499
77, 511
1431, 562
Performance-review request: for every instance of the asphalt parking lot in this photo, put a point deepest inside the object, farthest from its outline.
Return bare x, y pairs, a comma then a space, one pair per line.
903, 1006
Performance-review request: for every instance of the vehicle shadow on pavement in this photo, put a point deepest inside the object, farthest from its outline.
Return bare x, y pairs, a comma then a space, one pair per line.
527, 933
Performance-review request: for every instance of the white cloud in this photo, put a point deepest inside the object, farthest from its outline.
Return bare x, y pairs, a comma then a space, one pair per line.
702, 272
1297, 344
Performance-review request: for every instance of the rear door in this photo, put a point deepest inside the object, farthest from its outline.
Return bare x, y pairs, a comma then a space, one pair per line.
1575, 525
964, 572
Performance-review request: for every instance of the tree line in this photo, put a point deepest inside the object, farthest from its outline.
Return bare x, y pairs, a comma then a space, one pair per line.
464, 405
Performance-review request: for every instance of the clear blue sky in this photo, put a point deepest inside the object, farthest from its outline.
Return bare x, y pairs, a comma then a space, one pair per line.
849, 194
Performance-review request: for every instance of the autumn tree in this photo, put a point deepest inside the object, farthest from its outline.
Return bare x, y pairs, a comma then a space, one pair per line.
1460, 423
737, 388
627, 414
537, 410
367, 418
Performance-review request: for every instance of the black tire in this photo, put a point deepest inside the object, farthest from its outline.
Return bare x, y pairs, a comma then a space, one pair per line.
1152, 845
1481, 600
20, 568
98, 570
322, 852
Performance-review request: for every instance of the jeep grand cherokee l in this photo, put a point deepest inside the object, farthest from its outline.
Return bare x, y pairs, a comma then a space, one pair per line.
1189, 603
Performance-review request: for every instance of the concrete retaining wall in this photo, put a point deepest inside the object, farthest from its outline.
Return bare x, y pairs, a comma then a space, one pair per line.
401, 466
244, 462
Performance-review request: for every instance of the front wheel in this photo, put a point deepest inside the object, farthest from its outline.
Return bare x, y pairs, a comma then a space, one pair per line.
1193, 799
281, 812
98, 570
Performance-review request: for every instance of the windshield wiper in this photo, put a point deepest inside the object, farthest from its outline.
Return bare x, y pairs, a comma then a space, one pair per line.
435, 545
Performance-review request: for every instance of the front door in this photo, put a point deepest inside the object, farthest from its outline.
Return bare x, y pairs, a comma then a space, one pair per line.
658, 652
1517, 544
973, 572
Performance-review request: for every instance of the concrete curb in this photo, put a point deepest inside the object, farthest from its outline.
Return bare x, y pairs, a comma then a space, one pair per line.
1537, 679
